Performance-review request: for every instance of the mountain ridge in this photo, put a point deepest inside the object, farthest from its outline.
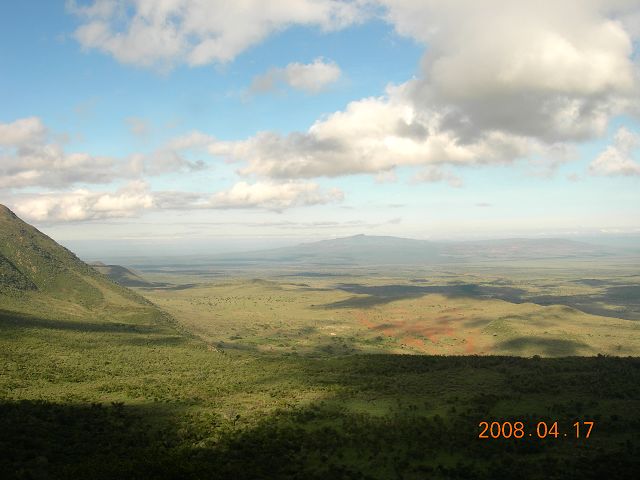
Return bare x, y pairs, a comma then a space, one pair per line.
385, 249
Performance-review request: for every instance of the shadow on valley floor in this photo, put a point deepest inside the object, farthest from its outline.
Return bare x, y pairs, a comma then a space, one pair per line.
167, 286
16, 321
546, 346
617, 301
387, 417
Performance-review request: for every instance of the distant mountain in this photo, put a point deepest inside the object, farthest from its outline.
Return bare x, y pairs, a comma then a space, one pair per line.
37, 275
382, 250
357, 249
121, 275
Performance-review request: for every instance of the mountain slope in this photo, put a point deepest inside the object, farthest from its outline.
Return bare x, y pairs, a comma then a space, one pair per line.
39, 276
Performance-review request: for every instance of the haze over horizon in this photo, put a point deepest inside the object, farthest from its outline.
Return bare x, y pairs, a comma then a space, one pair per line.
131, 127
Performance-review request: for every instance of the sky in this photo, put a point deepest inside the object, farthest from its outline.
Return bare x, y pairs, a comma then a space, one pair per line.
190, 126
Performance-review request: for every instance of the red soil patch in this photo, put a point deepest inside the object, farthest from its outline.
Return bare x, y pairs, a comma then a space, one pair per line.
400, 328
469, 345
414, 342
412, 332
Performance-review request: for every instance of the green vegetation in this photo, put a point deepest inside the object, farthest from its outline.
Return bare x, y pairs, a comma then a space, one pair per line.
247, 381
304, 314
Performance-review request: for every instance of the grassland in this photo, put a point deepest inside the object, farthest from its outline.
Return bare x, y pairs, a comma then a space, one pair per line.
523, 311
92, 398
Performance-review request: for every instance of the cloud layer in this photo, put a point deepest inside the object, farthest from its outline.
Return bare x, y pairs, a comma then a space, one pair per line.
85, 205
528, 83
28, 158
136, 197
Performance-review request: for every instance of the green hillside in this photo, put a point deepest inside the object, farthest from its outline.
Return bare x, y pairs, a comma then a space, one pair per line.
39, 276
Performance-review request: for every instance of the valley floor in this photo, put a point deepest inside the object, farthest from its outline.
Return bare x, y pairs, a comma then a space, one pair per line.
318, 377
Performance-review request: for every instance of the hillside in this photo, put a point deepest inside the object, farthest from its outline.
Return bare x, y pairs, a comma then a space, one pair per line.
40, 277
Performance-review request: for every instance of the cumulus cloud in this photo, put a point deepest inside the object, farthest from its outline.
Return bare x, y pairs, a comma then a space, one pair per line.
83, 204
22, 132
259, 195
617, 159
273, 196
148, 33
49, 165
29, 159
162, 161
370, 136
171, 157
191, 140
311, 78
556, 71
136, 197
527, 83
434, 174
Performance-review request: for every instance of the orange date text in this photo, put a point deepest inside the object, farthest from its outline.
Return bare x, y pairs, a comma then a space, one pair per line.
542, 429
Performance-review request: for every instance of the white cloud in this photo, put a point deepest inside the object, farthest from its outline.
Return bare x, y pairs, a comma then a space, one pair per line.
29, 159
22, 132
528, 83
162, 161
50, 166
556, 71
434, 174
273, 196
83, 204
243, 195
136, 197
370, 136
617, 159
152, 33
192, 140
311, 78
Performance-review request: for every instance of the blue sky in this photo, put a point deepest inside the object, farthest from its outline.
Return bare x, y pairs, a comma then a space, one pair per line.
126, 127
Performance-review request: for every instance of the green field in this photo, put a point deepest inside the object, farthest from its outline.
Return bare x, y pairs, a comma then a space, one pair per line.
78, 397
485, 310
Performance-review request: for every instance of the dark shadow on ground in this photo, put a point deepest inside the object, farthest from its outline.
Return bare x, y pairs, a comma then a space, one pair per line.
168, 286
14, 320
316, 274
429, 429
617, 302
382, 294
546, 346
